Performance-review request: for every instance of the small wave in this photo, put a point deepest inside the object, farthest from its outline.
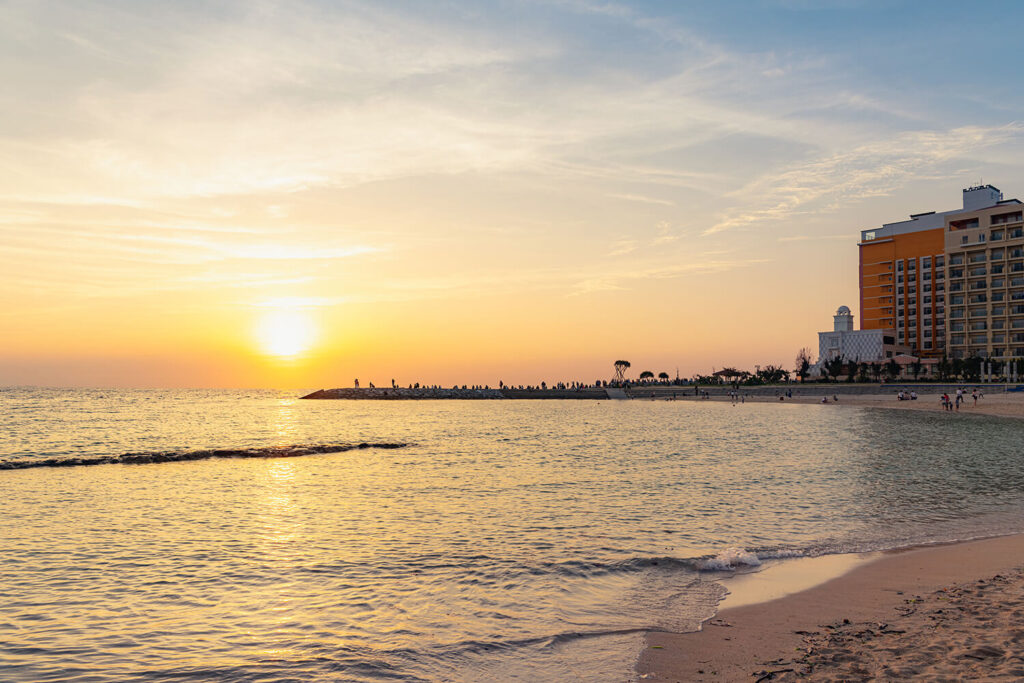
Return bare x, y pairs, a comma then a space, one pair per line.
204, 454
731, 558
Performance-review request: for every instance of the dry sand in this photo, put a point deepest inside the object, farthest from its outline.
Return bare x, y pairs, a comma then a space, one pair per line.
952, 612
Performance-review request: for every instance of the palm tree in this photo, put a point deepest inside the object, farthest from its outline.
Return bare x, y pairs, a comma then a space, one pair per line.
876, 370
803, 363
915, 367
834, 366
620, 370
663, 376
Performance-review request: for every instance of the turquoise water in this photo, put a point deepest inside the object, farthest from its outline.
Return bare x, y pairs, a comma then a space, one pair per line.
511, 540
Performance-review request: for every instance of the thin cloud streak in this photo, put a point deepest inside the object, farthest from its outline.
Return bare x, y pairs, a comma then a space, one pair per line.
871, 170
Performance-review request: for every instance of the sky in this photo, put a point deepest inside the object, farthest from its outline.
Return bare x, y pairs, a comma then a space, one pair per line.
298, 194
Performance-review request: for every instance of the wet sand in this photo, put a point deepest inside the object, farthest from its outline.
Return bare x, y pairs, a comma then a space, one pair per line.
951, 612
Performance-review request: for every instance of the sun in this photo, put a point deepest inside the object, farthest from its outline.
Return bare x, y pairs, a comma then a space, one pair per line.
285, 333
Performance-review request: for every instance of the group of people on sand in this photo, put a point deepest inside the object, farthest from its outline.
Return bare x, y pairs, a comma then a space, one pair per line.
961, 397
906, 396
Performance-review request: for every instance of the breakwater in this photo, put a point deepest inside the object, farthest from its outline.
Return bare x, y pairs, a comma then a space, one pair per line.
425, 393
641, 391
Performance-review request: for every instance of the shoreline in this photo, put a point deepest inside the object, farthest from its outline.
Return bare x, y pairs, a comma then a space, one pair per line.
878, 617
1009, 404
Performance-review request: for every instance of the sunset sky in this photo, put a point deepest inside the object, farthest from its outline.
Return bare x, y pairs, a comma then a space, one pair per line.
299, 194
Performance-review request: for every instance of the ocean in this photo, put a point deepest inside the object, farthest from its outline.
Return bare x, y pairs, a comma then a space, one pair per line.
503, 540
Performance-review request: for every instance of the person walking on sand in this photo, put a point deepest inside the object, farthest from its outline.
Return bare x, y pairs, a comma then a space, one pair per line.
974, 395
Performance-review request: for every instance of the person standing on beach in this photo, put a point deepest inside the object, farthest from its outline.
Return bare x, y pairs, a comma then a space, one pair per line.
974, 395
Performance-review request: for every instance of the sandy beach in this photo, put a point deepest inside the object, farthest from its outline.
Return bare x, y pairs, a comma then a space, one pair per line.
952, 612
993, 402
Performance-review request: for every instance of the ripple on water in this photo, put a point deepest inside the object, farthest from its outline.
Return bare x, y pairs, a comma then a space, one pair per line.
512, 540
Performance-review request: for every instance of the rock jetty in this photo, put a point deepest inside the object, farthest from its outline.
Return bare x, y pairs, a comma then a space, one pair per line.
426, 393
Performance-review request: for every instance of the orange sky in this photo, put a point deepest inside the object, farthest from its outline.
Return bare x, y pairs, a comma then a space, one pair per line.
297, 195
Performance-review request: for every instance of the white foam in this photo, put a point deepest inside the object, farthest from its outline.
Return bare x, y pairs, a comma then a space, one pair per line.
731, 558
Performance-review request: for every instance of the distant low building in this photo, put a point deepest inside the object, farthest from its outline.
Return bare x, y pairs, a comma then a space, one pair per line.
860, 346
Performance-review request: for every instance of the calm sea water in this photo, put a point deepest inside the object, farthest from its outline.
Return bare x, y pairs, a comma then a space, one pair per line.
529, 540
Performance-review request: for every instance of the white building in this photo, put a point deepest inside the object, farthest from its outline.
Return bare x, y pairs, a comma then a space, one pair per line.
861, 346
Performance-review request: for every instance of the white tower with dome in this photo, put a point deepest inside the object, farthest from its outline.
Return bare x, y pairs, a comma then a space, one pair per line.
864, 346
843, 319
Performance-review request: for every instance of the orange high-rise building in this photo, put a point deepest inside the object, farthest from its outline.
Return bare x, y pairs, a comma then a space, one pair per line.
902, 277
903, 273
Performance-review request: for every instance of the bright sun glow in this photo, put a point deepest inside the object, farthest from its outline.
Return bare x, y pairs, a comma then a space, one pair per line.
285, 333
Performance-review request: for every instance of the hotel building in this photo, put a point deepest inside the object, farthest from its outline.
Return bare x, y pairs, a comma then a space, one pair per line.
949, 282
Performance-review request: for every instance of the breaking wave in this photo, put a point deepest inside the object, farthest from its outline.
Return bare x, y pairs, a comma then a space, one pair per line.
147, 458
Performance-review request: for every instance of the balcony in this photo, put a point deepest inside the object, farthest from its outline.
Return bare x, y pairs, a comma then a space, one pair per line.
1005, 218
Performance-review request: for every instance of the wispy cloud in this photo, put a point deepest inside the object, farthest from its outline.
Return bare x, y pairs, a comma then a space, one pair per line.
874, 169
623, 247
814, 238
620, 279
643, 199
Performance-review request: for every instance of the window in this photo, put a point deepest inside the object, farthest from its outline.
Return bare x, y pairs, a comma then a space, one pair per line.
869, 235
